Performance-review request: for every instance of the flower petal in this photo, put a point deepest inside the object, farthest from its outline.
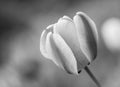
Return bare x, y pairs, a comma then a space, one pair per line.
43, 41
66, 55
50, 50
60, 53
87, 34
66, 29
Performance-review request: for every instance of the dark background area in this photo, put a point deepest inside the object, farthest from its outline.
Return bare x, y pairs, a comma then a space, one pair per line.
21, 24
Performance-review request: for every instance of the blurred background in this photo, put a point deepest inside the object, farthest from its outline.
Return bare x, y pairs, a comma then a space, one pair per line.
21, 24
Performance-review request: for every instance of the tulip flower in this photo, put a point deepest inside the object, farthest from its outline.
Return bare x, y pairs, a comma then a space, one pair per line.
70, 44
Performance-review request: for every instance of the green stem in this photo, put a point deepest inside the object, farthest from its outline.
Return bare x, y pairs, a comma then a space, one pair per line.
92, 76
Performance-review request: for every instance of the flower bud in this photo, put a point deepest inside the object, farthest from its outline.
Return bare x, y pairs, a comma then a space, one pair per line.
70, 44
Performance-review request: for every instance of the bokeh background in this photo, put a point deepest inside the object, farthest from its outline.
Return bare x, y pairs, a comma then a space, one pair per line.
21, 24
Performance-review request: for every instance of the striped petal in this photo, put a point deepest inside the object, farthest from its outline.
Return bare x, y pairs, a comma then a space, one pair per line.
87, 34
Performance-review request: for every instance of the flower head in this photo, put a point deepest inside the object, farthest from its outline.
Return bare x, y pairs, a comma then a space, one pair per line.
70, 44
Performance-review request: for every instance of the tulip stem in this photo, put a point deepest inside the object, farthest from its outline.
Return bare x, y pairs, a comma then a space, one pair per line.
92, 76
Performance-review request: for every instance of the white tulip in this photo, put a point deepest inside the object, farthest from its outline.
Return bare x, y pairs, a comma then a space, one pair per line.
70, 44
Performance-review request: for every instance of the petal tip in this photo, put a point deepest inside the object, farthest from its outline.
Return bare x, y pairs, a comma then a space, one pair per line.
66, 17
80, 13
50, 26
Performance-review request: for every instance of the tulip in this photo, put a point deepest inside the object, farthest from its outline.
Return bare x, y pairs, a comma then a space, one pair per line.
70, 44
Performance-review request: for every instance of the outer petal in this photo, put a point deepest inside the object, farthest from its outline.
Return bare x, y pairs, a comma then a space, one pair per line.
61, 53
43, 40
87, 35
66, 54
66, 29
50, 49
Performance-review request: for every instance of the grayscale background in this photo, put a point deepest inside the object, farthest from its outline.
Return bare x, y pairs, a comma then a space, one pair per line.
21, 24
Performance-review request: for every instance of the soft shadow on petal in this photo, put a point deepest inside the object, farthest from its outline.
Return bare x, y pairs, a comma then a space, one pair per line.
66, 55
66, 29
87, 35
43, 41
91, 22
52, 51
